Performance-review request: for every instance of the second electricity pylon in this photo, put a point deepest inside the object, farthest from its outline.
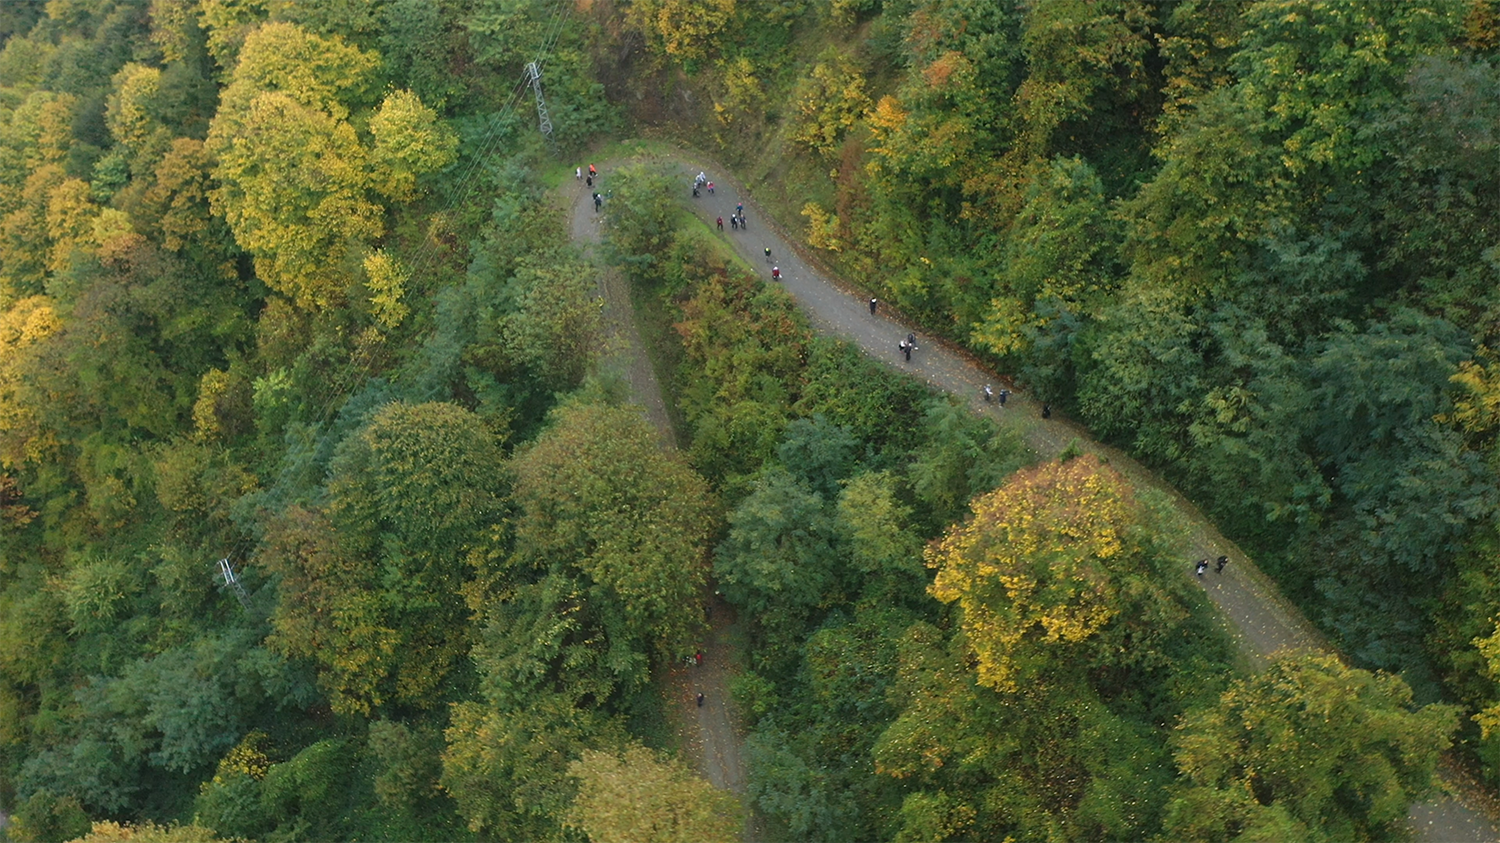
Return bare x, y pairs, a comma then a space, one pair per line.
232, 581
535, 73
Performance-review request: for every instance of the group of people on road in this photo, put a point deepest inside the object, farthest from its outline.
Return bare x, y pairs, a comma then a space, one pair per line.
1202, 565
590, 179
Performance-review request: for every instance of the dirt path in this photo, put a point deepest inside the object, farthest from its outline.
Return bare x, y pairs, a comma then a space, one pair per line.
1261, 619
708, 731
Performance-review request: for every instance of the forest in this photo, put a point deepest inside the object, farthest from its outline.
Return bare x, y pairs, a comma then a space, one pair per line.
288, 293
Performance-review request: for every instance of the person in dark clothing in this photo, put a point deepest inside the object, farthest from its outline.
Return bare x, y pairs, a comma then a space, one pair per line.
906, 349
911, 339
695, 191
1004, 394
743, 224
734, 223
873, 304
597, 202
720, 222
589, 181
1046, 411
768, 254
1201, 566
1219, 565
700, 699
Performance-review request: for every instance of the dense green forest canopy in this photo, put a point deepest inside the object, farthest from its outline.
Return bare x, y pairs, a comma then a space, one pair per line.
290, 285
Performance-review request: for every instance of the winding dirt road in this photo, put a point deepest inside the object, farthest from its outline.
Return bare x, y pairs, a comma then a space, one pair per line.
708, 731
1262, 621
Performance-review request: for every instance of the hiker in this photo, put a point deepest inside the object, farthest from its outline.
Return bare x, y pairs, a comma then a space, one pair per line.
1202, 566
768, 254
739, 209
911, 339
590, 181
734, 223
702, 179
695, 191
592, 171
873, 304
775, 273
1046, 411
721, 223
1219, 565
698, 658
710, 188
906, 348
989, 394
577, 172
700, 699
1004, 394
597, 202
743, 224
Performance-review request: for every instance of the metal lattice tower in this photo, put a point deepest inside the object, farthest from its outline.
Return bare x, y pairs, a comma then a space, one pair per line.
232, 581
541, 105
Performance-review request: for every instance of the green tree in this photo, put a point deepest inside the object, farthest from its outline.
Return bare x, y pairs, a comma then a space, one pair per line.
635, 794
1310, 749
373, 589
780, 560
597, 495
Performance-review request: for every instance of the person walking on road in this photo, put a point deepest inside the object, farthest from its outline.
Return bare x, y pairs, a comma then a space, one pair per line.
577, 172
874, 303
1219, 565
1046, 411
768, 254
721, 223
734, 223
700, 699
775, 273
1004, 394
597, 202
592, 171
1201, 566
906, 349
989, 394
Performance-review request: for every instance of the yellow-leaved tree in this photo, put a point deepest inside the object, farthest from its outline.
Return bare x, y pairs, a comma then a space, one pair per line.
683, 29
298, 183
1052, 566
637, 795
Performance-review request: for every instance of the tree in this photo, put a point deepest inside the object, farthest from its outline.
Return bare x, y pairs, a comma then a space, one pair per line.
780, 559
682, 29
1316, 73
1308, 749
372, 588
597, 494
507, 767
830, 103
1053, 561
292, 188
876, 529
963, 456
634, 794
295, 176
409, 141
146, 832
